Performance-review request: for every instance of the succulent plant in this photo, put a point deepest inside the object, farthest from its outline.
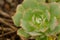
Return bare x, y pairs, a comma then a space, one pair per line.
38, 19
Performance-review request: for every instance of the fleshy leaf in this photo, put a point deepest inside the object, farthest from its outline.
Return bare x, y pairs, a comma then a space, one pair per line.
41, 38
35, 33
25, 25
53, 23
22, 33
16, 18
56, 30
55, 9
29, 4
18, 15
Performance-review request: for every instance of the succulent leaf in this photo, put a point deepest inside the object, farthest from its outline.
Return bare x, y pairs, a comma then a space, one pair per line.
22, 33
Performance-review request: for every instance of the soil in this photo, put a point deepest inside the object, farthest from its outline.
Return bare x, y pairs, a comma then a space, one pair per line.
8, 31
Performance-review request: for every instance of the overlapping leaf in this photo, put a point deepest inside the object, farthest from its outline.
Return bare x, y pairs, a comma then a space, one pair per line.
22, 33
